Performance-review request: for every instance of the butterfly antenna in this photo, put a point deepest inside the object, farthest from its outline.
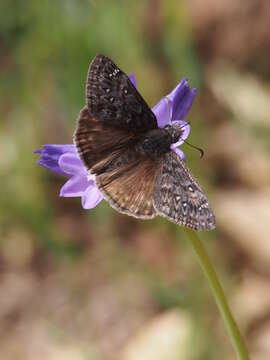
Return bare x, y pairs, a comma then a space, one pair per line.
195, 147
186, 124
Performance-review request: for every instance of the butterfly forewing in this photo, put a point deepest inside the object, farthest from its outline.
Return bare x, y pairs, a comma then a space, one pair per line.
178, 197
112, 98
99, 144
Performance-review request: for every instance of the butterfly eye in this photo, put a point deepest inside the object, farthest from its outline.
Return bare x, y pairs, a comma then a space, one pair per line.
176, 135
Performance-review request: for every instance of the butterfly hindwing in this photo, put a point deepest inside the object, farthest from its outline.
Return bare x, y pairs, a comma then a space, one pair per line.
113, 99
129, 188
178, 197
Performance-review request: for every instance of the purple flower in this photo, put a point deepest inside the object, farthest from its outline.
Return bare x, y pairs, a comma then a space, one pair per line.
64, 160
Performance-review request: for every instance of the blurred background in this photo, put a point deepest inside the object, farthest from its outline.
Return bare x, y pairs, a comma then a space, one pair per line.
97, 285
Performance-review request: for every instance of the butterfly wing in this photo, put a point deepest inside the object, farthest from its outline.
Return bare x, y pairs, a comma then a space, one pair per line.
129, 188
126, 181
99, 144
108, 128
112, 98
179, 198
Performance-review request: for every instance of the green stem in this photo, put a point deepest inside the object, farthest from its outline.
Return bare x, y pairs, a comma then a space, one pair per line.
219, 295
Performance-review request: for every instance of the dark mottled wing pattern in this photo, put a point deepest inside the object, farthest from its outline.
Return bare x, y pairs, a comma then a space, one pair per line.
112, 98
178, 197
108, 128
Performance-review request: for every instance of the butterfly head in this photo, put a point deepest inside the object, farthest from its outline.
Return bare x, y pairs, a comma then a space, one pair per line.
175, 131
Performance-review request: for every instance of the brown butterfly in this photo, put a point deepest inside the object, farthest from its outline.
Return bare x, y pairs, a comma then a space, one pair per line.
119, 142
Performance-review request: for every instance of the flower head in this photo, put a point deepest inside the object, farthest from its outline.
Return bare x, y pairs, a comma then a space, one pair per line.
64, 160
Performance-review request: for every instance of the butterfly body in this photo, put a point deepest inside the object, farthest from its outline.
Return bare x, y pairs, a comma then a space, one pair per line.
120, 143
155, 143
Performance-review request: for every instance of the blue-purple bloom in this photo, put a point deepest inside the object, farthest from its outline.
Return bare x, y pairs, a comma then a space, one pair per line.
64, 160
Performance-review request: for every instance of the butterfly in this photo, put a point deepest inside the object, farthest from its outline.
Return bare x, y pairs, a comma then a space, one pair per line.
119, 142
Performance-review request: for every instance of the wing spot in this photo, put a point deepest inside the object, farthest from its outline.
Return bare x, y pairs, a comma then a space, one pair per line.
190, 188
108, 90
204, 205
112, 99
114, 73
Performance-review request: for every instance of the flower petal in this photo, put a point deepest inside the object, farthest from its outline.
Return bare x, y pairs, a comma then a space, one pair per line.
55, 150
75, 186
49, 156
51, 165
182, 98
163, 112
133, 79
180, 153
92, 197
71, 164
186, 130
